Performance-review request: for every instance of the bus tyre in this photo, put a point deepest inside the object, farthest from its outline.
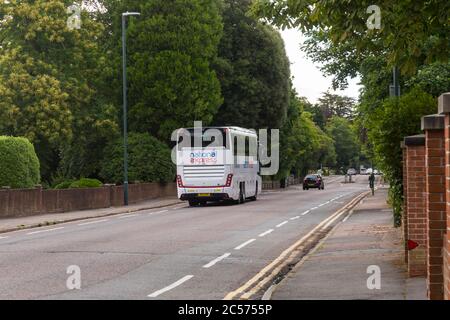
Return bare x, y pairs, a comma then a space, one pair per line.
255, 197
193, 203
241, 194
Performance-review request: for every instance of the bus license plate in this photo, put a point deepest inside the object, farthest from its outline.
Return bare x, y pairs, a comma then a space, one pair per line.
204, 194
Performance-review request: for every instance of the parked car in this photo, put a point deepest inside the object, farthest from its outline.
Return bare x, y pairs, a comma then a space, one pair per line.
363, 171
352, 171
313, 181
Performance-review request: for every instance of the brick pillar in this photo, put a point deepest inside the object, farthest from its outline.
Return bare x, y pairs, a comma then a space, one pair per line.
405, 201
416, 219
436, 215
444, 108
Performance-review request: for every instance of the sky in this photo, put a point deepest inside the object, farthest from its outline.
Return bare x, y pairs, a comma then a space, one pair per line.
308, 79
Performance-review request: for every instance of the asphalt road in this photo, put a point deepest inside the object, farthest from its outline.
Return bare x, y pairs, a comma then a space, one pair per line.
173, 253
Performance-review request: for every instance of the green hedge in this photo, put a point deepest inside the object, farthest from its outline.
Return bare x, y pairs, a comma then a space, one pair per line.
82, 183
64, 184
149, 160
86, 183
19, 164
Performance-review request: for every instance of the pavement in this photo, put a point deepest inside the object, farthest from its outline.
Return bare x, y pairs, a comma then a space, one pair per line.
14, 224
176, 252
340, 267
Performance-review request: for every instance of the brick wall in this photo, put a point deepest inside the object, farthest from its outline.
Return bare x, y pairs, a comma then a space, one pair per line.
435, 210
446, 264
416, 218
27, 202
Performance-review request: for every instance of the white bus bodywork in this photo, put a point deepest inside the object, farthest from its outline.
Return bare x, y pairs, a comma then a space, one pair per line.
214, 170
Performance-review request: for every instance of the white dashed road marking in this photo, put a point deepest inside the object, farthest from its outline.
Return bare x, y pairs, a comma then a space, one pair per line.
213, 262
295, 218
128, 216
239, 247
282, 224
172, 286
42, 231
157, 212
92, 222
266, 233
306, 212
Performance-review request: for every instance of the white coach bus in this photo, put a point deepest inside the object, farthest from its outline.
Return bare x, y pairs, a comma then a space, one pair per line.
216, 164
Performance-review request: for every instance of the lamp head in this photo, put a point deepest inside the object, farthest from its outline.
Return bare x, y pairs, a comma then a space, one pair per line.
126, 14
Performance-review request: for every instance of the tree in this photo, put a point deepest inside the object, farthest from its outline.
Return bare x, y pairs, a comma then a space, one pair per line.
149, 160
395, 119
48, 77
424, 36
171, 47
433, 79
335, 105
303, 145
253, 70
345, 142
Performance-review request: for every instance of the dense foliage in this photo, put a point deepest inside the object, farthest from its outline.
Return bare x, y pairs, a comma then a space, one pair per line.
412, 32
149, 160
19, 165
413, 37
394, 120
253, 70
303, 145
49, 79
188, 60
345, 143
85, 183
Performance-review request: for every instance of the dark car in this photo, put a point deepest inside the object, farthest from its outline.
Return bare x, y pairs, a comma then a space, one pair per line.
313, 181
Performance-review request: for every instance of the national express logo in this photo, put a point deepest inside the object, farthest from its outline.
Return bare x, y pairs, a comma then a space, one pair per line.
203, 157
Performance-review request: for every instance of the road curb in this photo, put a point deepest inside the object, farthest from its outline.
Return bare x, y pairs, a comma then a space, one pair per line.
39, 225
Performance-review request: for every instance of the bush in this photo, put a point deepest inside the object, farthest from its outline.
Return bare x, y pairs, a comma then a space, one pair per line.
395, 119
19, 164
86, 183
64, 184
149, 160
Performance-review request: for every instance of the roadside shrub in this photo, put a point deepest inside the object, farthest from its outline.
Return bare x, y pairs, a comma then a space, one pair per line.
64, 184
395, 119
86, 183
395, 200
19, 164
149, 160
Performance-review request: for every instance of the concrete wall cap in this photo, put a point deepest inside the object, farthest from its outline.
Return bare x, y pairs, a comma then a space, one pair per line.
418, 140
433, 122
444, 103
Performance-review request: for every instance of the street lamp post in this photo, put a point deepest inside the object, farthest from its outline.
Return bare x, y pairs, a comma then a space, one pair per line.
125, 125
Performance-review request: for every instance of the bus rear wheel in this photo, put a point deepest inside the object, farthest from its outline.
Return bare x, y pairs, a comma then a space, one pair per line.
241, 194
255, 197
193, 203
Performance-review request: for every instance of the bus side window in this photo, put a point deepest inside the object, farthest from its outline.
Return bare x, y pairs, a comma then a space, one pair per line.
253, 148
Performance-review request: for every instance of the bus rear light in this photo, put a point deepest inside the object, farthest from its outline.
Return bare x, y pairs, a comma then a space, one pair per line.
229, 180
180, 182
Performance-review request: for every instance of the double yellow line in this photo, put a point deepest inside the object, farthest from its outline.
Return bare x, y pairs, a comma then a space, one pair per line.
271, 271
